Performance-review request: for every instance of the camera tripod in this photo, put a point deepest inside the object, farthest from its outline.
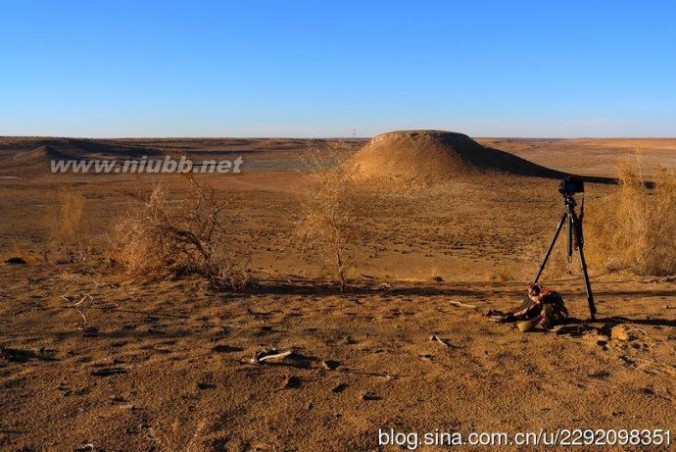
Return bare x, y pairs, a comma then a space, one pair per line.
575, 242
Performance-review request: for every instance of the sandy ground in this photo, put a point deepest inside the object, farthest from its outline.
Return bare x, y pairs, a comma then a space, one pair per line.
166, 365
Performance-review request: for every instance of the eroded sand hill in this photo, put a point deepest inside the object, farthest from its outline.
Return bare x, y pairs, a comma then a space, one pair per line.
435, 156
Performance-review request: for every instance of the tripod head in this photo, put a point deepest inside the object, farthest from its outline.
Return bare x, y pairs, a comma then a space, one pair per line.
569, 201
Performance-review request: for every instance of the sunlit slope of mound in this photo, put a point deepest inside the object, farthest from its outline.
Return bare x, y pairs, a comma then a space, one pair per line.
80, 148
435, 156
36, 161
25, 161
40, 155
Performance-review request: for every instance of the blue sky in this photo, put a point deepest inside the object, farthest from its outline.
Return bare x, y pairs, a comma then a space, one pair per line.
292, 68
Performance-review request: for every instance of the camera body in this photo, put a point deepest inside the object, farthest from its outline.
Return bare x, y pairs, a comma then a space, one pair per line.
571, 185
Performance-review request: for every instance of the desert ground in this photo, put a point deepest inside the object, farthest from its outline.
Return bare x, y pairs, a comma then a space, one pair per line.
94, 358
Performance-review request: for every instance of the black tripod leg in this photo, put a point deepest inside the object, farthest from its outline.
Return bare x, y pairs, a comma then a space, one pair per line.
551, 247
571, 226
583, 266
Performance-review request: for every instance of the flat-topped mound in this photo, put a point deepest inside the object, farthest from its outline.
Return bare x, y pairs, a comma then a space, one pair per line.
435, 156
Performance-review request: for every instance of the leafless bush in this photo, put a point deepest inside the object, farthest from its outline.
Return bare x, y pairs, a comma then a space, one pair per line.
330, 212
69, 215
634, 228
187, 236
64, 223
231, 274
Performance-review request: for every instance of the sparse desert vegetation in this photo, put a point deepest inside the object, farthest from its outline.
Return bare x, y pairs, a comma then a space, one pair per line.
193, 235
160, 339
635, 227
65, 223
331, 210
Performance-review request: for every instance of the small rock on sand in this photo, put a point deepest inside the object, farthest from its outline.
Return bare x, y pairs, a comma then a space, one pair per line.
620, 333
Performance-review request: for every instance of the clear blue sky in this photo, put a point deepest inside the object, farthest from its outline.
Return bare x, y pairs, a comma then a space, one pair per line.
333, 68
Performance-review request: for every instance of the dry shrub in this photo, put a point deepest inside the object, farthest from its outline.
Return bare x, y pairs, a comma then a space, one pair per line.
634, 228
68, 217
64, 223
329, 209
187, 236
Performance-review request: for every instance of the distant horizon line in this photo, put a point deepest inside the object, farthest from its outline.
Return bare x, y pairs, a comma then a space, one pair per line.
242, 137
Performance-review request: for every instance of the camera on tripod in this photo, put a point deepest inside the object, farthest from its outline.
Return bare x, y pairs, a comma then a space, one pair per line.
571, 185
568, 188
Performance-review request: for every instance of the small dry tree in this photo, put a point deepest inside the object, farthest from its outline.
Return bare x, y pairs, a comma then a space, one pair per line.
635, 226
329, 208
64, 223
188, 236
